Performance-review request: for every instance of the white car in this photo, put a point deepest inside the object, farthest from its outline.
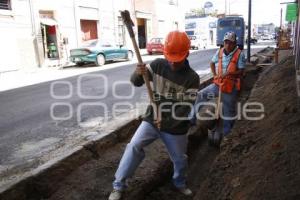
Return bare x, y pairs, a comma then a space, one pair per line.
198, 42
266, 37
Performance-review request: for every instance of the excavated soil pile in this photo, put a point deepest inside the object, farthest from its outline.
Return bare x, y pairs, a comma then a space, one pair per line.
261, 159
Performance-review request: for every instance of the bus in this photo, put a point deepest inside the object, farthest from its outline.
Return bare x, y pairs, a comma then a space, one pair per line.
232, 23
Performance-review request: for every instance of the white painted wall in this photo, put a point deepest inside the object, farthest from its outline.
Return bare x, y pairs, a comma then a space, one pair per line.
16, 38
202, 27
19, 31
166, 16
163, 16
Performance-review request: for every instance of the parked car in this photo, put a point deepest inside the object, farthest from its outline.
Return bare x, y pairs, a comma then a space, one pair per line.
252, 40
98, 52
198, 42
266, 37
156, 45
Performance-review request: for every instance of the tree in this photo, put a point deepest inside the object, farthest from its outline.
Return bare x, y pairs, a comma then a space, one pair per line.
198, 11
214, 14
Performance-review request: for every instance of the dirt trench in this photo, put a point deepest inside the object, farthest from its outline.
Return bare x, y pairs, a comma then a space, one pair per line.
152, 180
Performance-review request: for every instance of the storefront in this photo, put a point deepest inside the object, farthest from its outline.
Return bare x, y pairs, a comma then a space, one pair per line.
49, 35
143, 21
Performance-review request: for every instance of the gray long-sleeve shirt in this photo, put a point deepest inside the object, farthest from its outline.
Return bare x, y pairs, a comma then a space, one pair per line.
174, 93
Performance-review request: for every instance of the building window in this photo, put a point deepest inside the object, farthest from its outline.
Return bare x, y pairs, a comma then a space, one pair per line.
5, 5
121, 32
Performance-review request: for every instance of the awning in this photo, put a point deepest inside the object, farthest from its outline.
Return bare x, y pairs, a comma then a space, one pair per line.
141, 14
48, 21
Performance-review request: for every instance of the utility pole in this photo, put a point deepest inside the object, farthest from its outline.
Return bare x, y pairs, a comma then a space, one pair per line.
225, 7
249, 32
280, 18
229, 8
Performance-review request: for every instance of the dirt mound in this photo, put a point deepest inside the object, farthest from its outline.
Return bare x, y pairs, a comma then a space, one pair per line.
261, 159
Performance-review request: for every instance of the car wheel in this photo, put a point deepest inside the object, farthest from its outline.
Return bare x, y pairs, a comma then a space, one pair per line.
129, 55
100, 60
80, 63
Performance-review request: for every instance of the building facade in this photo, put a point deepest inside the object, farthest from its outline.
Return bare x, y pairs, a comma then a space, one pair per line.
261, 29
205, 26
17, 35
36, 33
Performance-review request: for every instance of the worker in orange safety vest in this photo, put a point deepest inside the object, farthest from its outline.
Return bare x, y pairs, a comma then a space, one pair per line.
230, 62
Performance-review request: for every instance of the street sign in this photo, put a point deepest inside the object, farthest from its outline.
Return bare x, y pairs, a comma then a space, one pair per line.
208, 4
291, 12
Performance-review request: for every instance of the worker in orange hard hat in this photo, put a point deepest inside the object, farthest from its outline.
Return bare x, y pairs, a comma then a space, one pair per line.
173, 81
177, 46
227, 66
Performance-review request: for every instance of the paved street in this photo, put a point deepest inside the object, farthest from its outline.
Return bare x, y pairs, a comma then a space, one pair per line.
29, 136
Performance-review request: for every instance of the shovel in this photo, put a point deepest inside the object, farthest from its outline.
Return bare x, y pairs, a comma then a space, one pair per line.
129, 24
214, 138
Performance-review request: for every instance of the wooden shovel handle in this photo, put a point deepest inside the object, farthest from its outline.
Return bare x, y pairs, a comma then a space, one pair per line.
129, 23
219, 103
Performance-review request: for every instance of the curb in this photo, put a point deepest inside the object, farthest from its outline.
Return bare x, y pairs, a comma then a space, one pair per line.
41, 181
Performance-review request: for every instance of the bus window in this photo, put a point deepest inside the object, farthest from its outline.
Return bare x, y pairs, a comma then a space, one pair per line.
230, 23
235, 24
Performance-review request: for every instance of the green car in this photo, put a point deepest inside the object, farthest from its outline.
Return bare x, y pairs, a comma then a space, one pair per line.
98, 52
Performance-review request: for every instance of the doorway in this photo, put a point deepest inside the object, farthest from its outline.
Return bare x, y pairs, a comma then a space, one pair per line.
142, 36
50, 46
211, 36
50, 34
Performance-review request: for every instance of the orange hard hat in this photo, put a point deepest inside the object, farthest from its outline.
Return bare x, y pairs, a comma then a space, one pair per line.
177, 46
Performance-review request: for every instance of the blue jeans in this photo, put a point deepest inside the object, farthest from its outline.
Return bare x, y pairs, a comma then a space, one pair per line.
228, 108
134, 154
